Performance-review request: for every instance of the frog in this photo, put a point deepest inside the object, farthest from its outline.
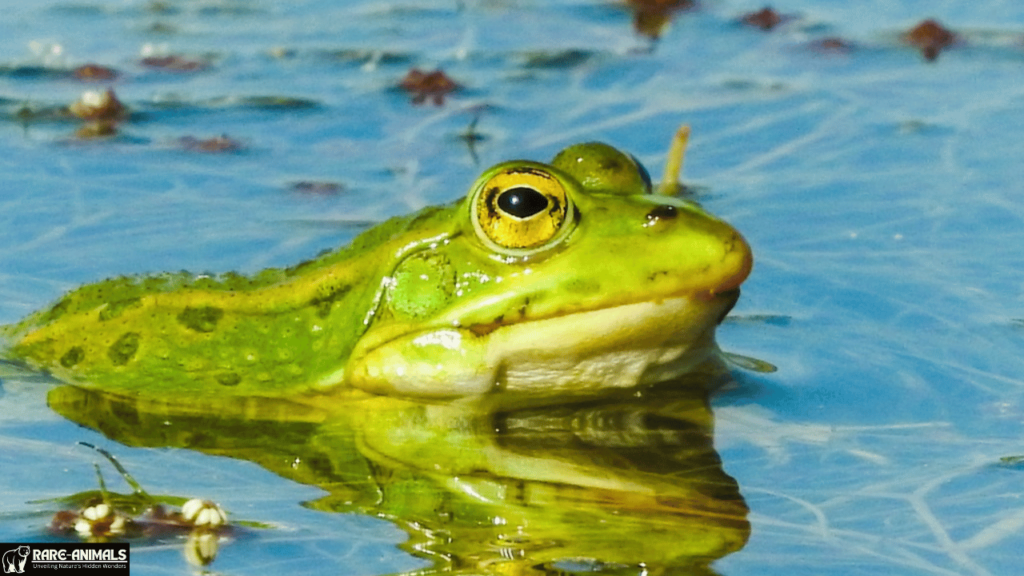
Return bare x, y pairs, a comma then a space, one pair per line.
570, 277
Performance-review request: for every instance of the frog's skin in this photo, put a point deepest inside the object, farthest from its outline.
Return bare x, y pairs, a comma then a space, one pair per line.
546, 279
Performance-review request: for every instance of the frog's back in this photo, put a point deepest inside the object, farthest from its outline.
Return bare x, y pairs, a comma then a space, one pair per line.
273, 333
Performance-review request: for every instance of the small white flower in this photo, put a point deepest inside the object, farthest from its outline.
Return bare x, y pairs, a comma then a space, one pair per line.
83, 527
97, 512
203, 513
100, 520
93, 98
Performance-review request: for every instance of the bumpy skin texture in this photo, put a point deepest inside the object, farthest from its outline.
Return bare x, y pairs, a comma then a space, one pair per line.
271, 334
562, 276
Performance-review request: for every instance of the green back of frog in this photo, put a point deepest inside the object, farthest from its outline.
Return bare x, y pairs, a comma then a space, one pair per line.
262, 335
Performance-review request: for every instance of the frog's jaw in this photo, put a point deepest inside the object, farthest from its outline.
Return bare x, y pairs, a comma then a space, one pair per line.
582, 353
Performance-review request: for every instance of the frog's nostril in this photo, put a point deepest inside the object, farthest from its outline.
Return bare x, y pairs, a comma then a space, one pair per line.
662, 212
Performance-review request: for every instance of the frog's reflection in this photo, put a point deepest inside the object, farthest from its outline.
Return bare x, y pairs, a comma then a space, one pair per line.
623, 485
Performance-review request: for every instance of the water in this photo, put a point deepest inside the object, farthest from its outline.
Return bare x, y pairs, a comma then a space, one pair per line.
881, 195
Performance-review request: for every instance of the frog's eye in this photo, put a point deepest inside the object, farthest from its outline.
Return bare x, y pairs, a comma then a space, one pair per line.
520, 208
602, 169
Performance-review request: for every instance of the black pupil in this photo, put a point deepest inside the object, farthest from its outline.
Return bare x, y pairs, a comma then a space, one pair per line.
522, 202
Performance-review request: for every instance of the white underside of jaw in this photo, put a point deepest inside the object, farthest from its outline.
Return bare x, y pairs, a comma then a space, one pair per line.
581, 353
619, 347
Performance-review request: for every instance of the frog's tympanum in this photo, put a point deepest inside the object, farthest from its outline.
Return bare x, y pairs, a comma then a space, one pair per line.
547, 279
625, 485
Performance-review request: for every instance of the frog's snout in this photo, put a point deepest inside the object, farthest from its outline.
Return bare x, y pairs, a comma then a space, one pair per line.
740, 260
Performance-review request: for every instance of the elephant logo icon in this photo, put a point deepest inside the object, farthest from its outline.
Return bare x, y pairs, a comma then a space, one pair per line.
14, 560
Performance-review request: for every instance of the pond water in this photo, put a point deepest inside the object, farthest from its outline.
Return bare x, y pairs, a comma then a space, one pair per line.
881, 192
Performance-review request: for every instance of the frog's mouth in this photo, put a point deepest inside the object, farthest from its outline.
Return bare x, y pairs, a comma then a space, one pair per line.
618, 347
584, 352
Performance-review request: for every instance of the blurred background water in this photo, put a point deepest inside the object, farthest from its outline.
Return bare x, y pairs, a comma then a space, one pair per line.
881, 192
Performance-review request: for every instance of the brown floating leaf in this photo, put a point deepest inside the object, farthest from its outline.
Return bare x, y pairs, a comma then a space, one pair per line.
832, 44
95, 73
765, 19
221, 143
650, 17
930, 38
174, 63
422, 85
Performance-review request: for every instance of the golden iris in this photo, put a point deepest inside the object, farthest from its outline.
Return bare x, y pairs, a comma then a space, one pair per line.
521, 208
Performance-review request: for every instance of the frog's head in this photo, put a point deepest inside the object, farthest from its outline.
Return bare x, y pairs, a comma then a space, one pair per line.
554, 278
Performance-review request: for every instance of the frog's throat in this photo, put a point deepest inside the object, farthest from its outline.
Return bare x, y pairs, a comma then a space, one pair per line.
587, 352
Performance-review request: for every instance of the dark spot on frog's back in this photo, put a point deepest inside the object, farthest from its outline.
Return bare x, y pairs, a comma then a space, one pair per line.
124, 349
201, 318
324, 303
73, 356
228, 379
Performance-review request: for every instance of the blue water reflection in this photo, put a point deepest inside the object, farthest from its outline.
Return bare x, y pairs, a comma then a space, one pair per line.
881, 194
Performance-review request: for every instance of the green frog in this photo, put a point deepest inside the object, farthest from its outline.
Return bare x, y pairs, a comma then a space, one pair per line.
572, 277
